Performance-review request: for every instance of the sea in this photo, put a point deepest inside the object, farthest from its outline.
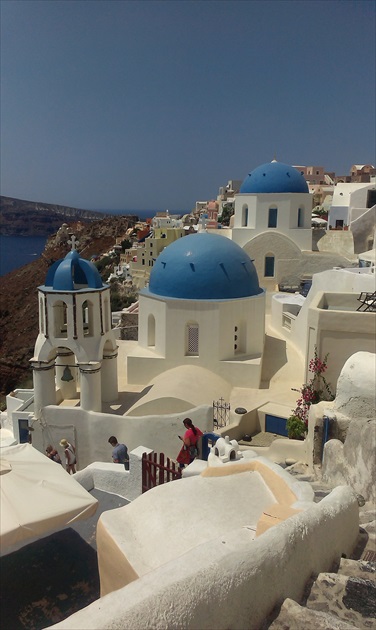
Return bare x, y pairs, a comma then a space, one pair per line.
16, 251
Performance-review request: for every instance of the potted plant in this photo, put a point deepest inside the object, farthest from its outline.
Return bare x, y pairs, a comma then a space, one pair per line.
296, 428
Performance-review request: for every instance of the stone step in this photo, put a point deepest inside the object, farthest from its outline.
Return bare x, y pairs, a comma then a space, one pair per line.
367, 514
351, 599
370, 528
357, 568
321, 491
292, 616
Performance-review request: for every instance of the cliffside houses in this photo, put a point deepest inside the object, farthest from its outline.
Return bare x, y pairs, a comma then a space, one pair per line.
211, 326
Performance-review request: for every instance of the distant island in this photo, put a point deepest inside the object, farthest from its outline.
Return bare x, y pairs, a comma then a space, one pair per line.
19, 217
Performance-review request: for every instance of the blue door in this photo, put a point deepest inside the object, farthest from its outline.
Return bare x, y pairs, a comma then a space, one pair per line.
275, 424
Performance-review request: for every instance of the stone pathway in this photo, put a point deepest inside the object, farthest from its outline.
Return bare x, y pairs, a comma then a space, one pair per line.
345, 598
262, 439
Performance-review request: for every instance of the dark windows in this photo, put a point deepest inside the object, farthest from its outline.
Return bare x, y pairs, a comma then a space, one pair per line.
192, 340
269, 266
245, 216
272, 220
151, 330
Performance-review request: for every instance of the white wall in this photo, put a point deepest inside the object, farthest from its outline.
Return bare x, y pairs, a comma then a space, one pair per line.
232, 581
216, 321
91, 431
341, 280
346, 197
352, 417
337, 329
113, 478
287, 218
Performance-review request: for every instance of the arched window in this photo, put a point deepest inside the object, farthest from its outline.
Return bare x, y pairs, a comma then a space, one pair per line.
87, 319
269, 266
245, 215
192, 339
41, 316
301, 217
272, 219
106, 308
60, 316
151, 330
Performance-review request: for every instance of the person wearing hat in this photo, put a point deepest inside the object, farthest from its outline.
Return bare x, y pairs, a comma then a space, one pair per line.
70, 456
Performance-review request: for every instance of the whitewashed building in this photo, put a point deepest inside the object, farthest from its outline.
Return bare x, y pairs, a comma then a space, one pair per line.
203, 308
272, 223
354, 208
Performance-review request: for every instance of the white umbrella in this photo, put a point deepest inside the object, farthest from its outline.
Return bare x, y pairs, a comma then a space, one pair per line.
7, 438
38, 497
318, 221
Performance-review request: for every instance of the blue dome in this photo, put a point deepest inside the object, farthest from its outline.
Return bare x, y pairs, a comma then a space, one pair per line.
274, 177
204, 267
73, 273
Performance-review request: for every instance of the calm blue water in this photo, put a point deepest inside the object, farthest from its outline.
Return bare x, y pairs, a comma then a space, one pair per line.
16, 251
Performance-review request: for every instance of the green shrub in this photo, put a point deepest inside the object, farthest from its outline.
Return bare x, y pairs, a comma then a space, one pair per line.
296, 428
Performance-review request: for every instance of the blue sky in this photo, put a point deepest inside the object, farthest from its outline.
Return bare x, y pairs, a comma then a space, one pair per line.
154, 104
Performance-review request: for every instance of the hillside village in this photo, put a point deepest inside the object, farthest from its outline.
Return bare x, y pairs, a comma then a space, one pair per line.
253, 315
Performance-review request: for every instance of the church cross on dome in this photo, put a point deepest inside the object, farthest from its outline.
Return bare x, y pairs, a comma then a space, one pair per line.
73, 242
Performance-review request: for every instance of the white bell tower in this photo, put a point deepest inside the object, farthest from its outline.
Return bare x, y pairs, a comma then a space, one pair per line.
76, 348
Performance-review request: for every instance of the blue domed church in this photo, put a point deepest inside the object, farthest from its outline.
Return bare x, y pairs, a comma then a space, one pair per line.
203, 307
272, 220
75, 354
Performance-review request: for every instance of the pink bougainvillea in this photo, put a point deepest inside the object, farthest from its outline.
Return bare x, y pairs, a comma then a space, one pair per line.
311, 393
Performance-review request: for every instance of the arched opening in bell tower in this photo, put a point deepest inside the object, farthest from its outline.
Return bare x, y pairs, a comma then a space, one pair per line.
87, 318
60, 317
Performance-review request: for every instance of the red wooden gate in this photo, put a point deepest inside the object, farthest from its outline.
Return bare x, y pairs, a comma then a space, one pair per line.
155, 473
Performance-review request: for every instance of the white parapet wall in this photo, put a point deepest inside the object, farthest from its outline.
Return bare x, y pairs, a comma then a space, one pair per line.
114, 478
232, 581
90, 431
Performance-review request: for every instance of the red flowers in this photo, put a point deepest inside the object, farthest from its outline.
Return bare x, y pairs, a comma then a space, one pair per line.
317, 366
315, 390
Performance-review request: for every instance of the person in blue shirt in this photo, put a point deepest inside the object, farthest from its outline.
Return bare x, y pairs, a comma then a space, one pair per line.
119, 452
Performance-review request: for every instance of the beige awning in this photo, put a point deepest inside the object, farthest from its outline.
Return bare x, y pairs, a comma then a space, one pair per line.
38, 497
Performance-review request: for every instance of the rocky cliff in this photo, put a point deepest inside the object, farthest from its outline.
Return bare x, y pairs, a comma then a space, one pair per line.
18, 294
32, 218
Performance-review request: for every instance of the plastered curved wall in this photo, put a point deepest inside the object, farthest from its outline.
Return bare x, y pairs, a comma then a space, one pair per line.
92, 430
232, 582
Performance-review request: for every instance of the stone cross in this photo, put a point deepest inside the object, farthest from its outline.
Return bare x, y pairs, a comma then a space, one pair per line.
73, 242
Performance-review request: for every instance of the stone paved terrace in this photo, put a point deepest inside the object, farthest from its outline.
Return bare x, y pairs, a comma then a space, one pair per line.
261, 439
